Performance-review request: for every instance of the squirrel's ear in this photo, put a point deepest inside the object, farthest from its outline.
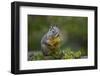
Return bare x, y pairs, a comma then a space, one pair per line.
55, 25
51, 26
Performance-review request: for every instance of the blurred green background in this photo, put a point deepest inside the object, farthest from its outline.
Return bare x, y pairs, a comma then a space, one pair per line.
73, 29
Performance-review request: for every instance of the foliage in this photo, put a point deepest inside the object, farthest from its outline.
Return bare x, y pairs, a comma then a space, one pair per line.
69, 54
38, 56
59, 54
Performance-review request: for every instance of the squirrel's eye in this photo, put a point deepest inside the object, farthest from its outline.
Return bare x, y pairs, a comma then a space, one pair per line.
53, 31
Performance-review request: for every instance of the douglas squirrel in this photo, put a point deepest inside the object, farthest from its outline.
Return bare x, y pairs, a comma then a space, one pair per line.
51, 40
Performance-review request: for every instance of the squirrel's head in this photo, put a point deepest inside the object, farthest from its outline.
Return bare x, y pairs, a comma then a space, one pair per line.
54, 31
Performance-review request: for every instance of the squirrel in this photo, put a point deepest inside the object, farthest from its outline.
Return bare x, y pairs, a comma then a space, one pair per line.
51, 40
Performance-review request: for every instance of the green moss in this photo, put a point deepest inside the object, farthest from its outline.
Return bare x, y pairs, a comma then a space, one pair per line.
67, 53
38, 56
70, 54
